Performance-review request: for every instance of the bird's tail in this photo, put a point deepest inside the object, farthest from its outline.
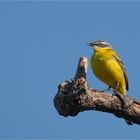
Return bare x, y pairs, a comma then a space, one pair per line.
128, 122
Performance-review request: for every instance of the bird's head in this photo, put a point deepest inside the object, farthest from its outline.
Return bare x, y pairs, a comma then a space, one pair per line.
99, 44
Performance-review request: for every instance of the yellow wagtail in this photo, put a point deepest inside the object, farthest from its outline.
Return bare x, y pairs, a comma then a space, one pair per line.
108, 67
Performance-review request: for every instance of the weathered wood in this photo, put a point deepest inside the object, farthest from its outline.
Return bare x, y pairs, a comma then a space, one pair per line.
76, 96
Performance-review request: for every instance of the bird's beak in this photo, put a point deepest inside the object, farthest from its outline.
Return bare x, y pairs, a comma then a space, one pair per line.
90, 44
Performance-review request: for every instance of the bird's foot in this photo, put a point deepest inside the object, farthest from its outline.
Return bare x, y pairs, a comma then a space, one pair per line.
126, 101
107, 89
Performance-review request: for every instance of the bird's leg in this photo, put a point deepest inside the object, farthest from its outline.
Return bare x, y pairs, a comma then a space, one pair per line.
107, 89
126, 102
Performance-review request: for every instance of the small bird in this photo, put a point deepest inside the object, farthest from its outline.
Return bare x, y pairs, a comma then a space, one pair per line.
108, 67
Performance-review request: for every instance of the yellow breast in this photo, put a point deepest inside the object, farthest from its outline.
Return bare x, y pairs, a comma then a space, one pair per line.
108, 70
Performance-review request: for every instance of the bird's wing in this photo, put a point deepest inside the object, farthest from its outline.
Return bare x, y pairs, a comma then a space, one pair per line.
115, 55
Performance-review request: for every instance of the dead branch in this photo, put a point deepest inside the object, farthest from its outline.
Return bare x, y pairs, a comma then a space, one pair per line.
76, 96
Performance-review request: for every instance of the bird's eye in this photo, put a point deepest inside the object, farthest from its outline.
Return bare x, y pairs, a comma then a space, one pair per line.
103, 45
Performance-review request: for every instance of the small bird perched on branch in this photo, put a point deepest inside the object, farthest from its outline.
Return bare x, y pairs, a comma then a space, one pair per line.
108, 67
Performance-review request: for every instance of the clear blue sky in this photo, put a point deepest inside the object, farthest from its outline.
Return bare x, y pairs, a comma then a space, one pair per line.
40, 44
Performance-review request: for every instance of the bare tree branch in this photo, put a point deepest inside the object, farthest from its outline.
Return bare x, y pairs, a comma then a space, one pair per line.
76, 96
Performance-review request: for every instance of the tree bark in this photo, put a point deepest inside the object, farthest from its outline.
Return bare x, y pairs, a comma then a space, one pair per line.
76, 96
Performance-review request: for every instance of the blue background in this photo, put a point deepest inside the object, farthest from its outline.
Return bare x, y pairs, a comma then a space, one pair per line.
40, 45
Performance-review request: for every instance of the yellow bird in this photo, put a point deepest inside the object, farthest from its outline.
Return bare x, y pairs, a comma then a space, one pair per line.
108, 67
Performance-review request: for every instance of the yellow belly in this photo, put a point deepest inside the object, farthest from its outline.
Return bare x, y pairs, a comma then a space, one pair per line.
109, 71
